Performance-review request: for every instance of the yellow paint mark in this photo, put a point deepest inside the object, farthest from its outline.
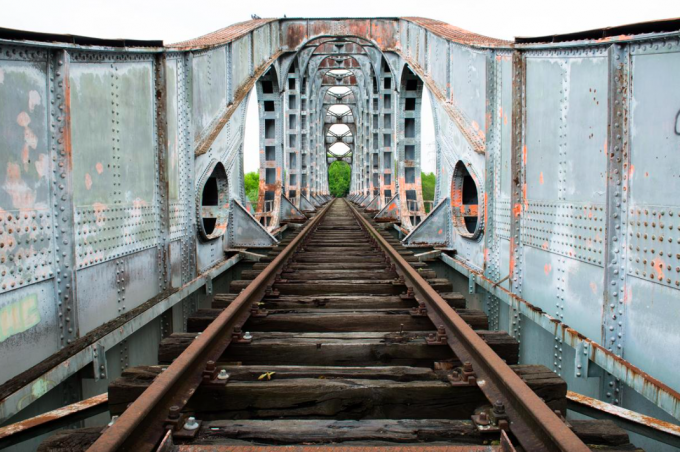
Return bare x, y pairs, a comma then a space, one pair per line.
19, 316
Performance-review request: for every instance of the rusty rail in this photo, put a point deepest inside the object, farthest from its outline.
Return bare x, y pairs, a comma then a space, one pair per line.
536, 427
142, 426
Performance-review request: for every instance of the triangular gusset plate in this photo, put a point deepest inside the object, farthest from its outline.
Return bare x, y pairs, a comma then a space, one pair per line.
244, 231
434, 229
306, 204
390, 212
374, 205
289, 213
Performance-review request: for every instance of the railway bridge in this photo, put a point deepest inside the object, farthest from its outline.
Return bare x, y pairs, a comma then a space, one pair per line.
528, 306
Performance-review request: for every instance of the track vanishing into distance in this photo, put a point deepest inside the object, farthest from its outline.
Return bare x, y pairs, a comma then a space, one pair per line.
342, 338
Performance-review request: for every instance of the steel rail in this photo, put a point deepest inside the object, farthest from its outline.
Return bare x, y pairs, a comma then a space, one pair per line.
532, 422
142, 425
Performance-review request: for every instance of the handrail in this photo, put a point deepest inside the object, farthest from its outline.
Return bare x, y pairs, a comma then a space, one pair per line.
142, 425
534, 424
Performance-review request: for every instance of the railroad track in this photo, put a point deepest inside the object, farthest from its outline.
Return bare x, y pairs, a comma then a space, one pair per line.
342, 338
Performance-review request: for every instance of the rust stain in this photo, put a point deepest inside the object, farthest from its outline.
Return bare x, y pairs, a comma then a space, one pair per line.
547, 268
657, 266
88, 181
440, 231
22, 195
524, 154
540, 178
99, 167
517, 210
593, 287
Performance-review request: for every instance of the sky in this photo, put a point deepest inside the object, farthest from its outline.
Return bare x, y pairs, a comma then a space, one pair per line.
173, 21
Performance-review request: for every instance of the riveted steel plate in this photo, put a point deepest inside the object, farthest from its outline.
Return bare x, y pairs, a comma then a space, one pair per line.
114, 159
29, 329
505, 118
572, 230
468, 84
655, 129
26, 248
438, 62
654, 244
565, 288
584, 158
240, 61
651, 325
112, 288
544, 126
209, 72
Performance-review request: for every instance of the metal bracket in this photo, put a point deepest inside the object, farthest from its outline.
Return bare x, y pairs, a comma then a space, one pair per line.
420, 311
99, 365
472, 285
439, 338
581, 360
463, 376
208, 285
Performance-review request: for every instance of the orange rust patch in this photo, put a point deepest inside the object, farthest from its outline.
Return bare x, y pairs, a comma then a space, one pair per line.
540, 178
99, 167
88, 181
631, 171
593, 287
524, 154
547, 268
657, 265
440, 231
544, 245
517, 210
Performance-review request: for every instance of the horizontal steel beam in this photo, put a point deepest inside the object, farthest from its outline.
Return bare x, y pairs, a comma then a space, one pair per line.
647, 426
52, 420
649, 387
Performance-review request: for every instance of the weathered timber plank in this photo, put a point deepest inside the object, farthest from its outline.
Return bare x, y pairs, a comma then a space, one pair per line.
388, 320
289, 431
342, 398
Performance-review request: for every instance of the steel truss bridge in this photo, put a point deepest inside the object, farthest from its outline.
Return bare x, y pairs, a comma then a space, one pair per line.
122, 187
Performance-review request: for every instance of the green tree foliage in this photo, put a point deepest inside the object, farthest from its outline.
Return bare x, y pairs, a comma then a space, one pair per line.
338, 179
252, 185
428, 181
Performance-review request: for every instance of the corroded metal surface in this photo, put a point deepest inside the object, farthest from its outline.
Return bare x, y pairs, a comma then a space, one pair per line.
571, 144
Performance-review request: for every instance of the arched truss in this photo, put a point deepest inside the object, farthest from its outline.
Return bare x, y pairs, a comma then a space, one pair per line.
319, 68
409, 147
271, 155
